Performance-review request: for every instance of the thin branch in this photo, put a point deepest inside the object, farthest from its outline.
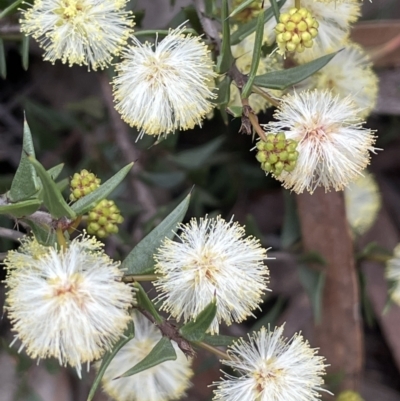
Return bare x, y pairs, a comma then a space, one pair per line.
172, 332
10, 234
266, 95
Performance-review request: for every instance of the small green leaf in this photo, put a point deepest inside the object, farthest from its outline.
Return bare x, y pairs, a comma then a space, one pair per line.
55, 171
86, 203
145, 303
140, 260
235, 111
258, 41
275, 9
194, 159
218, 341
25, 183
20, 209
25, 52
313, 282
285, 78
162, 351
195, 330
225, 58
108, 357
3, 64
248, 28
44, 234
224, 89
11, 8
52, 196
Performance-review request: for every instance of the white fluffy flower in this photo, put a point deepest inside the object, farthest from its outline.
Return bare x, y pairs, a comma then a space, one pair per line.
68, 304
166, 381
332, 144
168, 88
83, 32
393, 275
213, 258
272, 369
363, 201
334, 19
348, 73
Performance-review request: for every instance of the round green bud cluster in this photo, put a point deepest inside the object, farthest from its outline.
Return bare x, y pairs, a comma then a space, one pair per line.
349, 395
277, 154
103, 219
296, 30
83, 183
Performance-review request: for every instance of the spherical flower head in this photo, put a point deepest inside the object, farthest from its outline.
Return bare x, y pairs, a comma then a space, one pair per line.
296, 30
243, 54
213, 258
363, 202
348, 73
334, 24
333, 146
393, 275
82, 184
83, 32
66, 303
167, 88
166, 381
272, 368
104, 218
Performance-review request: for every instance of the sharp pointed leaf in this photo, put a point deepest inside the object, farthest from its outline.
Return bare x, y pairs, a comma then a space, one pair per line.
108, 357
284, 78
225, 59
25, 183
141, 259
55, 171
52, 196
196, 329
162, 351
86, 203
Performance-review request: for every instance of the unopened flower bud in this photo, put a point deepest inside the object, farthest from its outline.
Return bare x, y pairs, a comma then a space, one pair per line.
82, 184
104, 218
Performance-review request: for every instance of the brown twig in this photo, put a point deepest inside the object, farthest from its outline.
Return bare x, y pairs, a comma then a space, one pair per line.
172, 332
10, 234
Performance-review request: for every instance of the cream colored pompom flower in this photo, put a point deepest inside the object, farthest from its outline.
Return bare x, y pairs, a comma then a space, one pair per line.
348, 73
333, 146
167, 88
166, 381
393, 275
212, 258
271, 368
66, 303
83, 32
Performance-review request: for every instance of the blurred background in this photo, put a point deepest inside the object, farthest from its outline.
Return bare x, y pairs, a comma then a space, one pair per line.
70, 113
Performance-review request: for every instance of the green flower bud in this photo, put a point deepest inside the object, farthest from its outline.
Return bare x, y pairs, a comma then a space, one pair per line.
104, 218
82, 184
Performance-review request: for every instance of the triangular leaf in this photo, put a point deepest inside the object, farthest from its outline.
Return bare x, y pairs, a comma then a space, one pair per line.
195, 330
86, 203
162, 351
140, 260
52, 196
55, 171
25, 183
108, 357
145, 303
285, 78
20, 209
43, 233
